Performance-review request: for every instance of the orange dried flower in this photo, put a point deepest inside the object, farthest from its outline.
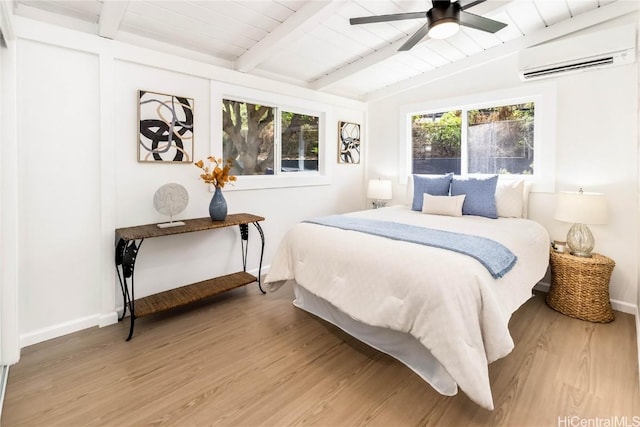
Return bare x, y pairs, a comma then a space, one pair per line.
219, 174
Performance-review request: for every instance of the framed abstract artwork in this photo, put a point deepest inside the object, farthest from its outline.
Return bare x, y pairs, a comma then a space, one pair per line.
348, 142
165, 128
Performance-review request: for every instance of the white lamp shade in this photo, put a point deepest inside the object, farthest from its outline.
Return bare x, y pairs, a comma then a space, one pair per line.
379, 189
581, 208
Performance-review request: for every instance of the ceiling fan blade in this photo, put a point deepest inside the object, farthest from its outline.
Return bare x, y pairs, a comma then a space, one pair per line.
480, 22
466, 4
387, 18
415, 38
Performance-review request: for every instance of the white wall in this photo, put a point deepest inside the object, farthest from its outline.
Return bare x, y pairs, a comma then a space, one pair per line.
79, 178
59, 193
637, 313
8, 204
596, 148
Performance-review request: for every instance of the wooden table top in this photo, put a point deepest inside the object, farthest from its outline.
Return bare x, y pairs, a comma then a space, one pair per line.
191, 225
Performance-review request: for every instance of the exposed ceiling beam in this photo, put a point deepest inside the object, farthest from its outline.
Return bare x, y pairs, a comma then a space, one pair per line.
579, 22
7, 29
387, 52
306, 17
111, 17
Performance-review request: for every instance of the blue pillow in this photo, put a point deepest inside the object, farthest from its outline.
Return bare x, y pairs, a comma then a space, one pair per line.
481, 195
436, 185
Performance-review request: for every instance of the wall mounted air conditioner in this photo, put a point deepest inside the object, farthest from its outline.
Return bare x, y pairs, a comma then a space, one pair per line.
600, 49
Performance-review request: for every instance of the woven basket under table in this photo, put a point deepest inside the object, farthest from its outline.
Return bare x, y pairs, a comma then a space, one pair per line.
580, 286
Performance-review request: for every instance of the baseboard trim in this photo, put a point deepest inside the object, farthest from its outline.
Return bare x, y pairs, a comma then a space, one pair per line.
263, 271
108, 319
617, 305
58, 330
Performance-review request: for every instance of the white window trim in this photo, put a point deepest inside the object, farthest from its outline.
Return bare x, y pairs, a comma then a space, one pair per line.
220, 91
544, 96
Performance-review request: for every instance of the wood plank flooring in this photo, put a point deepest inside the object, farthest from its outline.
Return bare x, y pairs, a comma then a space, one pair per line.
246, 359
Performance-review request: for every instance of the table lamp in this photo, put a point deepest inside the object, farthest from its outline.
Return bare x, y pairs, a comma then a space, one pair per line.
581, 208
379, 190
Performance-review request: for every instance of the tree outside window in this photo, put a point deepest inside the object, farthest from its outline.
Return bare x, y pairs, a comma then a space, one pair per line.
248, 137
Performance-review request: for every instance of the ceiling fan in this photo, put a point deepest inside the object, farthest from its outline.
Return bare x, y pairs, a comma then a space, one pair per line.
443, 20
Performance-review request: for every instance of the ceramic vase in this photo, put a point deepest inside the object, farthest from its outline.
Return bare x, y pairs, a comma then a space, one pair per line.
218, 206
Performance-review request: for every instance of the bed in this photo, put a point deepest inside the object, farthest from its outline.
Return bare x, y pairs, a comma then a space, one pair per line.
442, 313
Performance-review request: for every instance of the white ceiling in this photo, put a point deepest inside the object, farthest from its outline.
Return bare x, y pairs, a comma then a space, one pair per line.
310, 42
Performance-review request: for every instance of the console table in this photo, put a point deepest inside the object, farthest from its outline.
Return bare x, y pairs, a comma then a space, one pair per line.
129, 240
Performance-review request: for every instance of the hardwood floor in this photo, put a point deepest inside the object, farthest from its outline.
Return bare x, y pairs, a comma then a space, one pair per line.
245, 359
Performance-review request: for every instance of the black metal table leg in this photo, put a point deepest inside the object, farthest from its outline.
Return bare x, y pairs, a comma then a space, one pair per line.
244, 235
261, 255
126, 253
120, 248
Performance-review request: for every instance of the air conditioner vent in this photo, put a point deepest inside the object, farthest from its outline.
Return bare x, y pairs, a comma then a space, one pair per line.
596, 50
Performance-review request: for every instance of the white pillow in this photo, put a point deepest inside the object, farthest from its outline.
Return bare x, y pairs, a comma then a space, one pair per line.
509, 199
443, 205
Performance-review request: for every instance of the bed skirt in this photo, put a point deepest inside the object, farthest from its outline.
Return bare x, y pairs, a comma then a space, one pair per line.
401, 346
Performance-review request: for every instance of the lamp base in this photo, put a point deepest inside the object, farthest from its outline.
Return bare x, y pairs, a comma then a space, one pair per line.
580, 240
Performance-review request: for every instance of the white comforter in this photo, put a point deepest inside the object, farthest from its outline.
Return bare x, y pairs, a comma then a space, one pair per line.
446, 300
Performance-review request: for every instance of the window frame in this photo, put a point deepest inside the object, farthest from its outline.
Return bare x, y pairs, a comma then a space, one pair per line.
542, 95
279, 179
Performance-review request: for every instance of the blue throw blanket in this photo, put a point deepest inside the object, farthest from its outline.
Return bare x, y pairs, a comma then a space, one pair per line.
494, 256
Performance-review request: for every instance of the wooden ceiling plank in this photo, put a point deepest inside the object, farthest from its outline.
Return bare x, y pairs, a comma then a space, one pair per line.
526, 16
553, 11
511, 31
464, 43
446, 50
163, 18
231, 17
196, 18
280, 11
111, 17
310, 14
358, 65
577, 7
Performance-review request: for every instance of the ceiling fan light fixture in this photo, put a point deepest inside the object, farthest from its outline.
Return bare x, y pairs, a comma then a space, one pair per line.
443, 28
444, 19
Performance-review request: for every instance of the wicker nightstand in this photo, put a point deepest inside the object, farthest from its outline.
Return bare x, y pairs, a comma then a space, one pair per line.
580, 286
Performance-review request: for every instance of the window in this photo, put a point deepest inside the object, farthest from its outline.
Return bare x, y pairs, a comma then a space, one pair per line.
300, 142
500, 139
436, 139
509, 132
268, 140
491, 140
248, 137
